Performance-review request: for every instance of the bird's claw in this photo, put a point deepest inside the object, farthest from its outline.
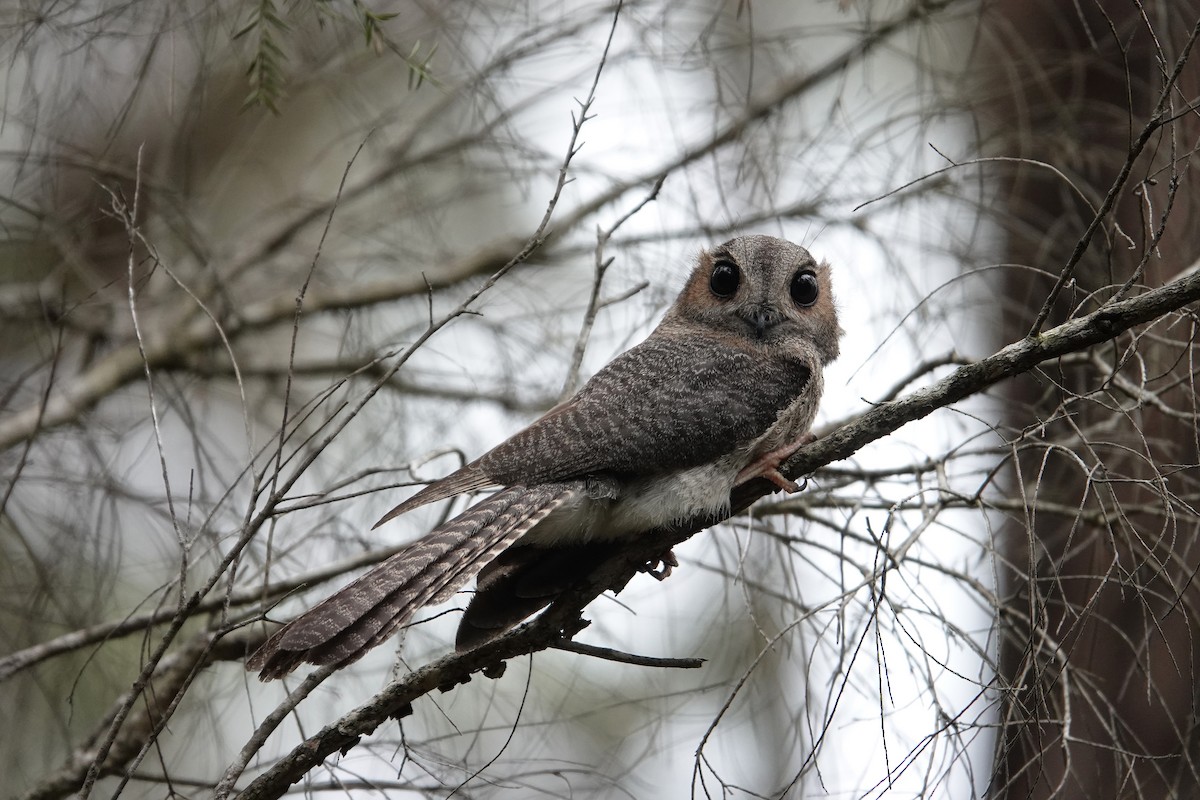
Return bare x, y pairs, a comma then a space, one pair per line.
660, 568
779, 479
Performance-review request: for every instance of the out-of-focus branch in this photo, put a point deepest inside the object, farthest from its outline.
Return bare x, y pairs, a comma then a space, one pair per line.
172, 676
167, 348
13, 663
769, 104
371, 367
78, 394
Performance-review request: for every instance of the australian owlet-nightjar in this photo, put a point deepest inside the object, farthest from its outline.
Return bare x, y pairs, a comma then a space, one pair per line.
723, 391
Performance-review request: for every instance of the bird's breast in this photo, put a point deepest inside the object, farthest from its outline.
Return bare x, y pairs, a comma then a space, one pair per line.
795, 420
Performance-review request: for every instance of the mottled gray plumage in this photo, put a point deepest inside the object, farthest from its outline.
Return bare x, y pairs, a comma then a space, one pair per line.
721, 392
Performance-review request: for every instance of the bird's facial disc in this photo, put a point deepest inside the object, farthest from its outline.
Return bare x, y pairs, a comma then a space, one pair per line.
765, 290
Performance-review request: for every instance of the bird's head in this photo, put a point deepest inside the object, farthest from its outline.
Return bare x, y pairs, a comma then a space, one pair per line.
762, 292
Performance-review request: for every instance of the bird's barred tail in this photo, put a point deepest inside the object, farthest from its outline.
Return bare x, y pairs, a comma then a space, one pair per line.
343, 627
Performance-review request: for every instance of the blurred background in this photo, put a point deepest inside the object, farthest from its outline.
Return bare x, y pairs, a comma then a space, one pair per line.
236, 242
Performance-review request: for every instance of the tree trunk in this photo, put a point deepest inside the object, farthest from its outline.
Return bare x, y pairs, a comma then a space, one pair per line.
1100, 652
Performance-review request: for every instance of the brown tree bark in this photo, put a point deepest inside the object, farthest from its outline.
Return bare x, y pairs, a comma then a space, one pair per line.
1099, 664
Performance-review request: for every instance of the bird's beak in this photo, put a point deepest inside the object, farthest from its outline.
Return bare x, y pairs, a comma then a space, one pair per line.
761, 319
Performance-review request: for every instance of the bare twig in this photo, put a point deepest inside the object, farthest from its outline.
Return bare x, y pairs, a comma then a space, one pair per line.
594, 302
608, 654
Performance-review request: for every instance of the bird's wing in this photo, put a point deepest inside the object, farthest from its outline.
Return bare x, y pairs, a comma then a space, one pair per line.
667, 404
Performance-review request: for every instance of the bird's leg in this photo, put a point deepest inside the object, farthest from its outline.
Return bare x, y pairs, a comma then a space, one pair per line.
660, 568
767, 465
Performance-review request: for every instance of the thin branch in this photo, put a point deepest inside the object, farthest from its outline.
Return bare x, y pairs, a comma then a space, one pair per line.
608, 654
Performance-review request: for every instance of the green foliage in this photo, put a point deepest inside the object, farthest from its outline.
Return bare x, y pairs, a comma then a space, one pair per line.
265, 73
418, 67
370, 24
267, 27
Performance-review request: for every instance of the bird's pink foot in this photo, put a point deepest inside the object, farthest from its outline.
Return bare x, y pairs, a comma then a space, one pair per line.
767, 466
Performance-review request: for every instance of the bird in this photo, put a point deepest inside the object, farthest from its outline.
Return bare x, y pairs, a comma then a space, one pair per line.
721, 392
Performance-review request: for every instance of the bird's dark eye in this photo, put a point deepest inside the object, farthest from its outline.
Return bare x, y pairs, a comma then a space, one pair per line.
724, 279
804, 288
